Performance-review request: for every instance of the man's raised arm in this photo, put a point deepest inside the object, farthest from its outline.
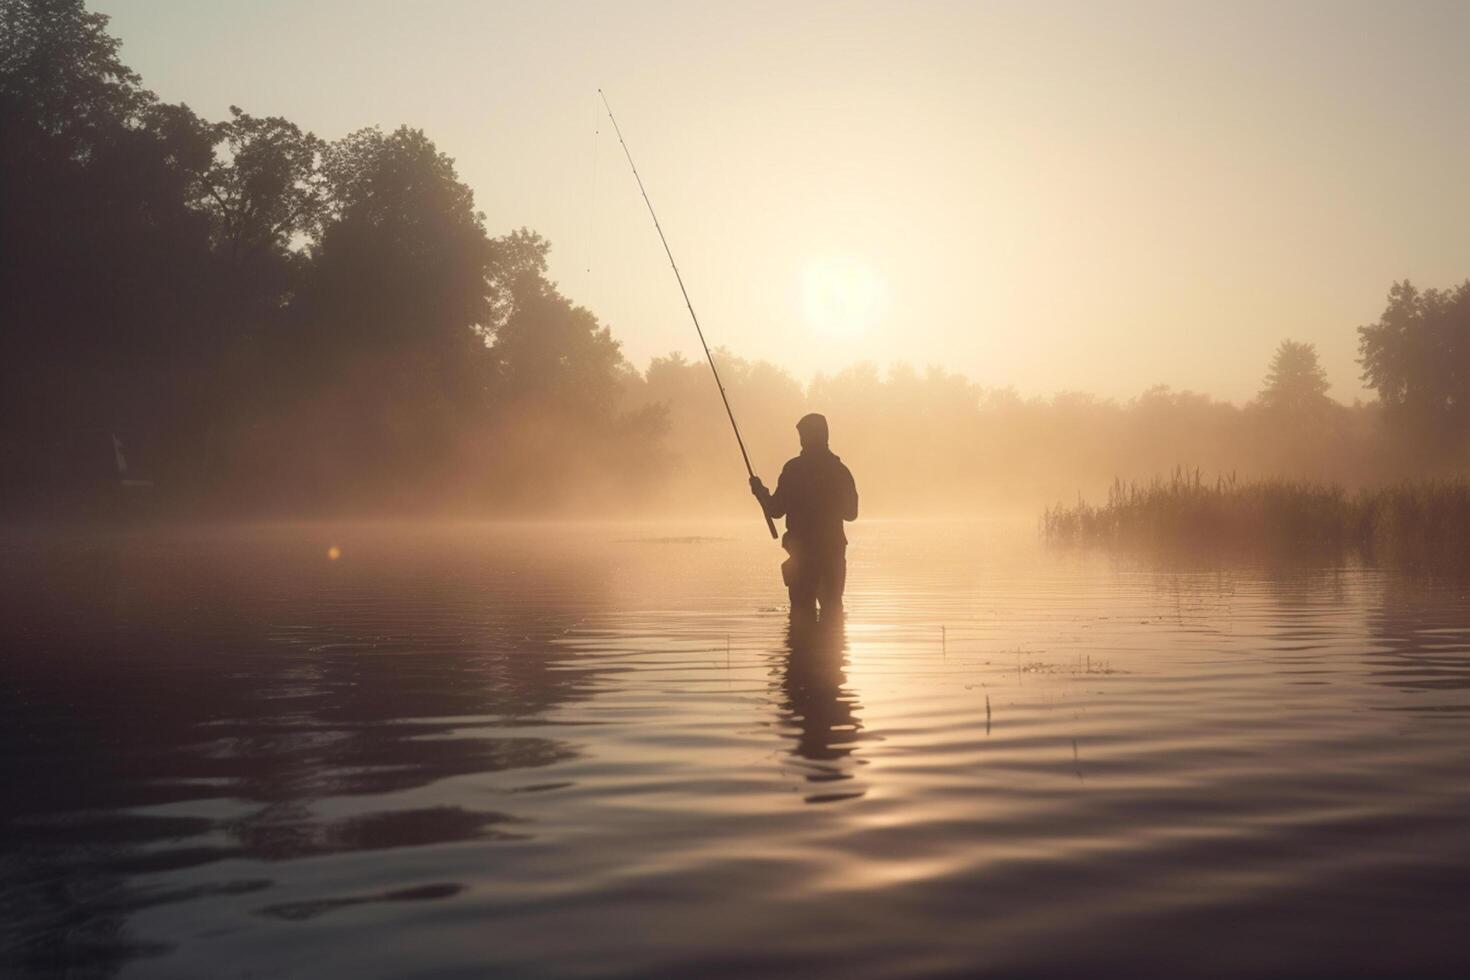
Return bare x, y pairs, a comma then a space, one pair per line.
774, 504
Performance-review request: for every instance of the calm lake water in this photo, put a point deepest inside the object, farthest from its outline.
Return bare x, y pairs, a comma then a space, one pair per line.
598, 750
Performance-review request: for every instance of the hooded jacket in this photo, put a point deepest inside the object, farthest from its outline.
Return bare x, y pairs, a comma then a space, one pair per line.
815, 494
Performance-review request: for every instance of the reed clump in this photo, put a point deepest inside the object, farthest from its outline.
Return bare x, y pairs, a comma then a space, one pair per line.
1423, 521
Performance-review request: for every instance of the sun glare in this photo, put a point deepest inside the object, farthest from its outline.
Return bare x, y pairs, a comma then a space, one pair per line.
844, 298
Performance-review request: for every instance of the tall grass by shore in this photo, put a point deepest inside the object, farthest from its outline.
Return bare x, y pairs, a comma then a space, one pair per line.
1418, 522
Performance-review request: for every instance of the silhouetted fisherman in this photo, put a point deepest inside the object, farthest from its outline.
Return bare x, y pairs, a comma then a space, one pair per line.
815, 494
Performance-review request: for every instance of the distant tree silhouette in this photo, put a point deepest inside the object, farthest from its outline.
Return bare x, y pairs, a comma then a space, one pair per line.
1417, 357
1296, 386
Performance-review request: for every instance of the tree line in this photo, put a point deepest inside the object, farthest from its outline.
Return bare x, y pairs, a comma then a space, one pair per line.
283, 323
274, 319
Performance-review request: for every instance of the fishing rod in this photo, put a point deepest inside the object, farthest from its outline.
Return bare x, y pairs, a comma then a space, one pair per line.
770, 524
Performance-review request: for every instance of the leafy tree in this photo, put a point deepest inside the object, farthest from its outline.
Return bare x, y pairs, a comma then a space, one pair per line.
267, 189
403, 256
381, 366
59, 69
551, 351
562, 390
513, 257
1296, 385
103, 298
1417, 357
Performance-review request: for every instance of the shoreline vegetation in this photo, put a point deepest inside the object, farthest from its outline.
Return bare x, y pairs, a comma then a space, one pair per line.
238, 318
1415, 522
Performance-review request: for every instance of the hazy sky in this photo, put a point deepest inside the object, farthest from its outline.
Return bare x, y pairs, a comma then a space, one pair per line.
1096, 196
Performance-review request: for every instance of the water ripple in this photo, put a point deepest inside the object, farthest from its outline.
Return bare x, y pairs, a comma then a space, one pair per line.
590, 750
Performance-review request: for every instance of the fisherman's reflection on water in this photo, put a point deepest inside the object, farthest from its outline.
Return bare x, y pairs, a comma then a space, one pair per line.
818, 710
